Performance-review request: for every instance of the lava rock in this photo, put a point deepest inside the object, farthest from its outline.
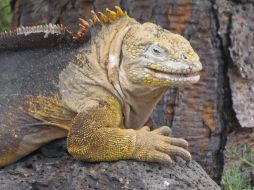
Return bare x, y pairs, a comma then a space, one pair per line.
52, 167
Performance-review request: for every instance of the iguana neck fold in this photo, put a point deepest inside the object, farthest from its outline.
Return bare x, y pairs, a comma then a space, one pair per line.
133, 98
95, 64
108, 45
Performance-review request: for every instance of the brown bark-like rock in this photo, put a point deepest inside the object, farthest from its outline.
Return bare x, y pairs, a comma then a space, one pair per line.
236, 20
236, 29
52, 168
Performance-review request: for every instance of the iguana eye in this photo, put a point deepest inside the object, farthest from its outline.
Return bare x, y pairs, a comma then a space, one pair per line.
157, 51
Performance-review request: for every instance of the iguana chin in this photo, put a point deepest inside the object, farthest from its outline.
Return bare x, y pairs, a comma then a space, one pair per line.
102, 97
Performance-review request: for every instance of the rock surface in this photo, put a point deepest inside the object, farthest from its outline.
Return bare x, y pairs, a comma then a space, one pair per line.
236, 29
52, 168
236, 22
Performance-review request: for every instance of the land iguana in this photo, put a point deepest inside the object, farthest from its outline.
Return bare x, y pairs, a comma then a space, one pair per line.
98, 87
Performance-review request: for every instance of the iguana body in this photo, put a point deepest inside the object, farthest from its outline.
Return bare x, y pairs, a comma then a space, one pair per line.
99, 94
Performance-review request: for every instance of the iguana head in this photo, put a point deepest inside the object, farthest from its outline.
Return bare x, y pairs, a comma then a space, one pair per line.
143, 54
153, 56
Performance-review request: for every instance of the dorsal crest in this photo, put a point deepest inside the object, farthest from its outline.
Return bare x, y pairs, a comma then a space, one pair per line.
53, 34
99, 18
110, 17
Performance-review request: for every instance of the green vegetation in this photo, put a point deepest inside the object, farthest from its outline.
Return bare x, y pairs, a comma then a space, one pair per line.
234, 178
5, 15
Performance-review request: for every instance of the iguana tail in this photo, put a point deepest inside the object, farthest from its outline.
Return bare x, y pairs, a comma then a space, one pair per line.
27, 127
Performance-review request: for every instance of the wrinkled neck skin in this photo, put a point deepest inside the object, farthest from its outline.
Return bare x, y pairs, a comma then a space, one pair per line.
97, 66
86, 76
139, 101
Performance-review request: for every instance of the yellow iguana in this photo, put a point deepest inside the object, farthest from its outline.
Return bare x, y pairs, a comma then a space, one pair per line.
99, 90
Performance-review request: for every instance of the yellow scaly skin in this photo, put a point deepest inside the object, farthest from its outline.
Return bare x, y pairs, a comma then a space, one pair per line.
124, 70
152, 59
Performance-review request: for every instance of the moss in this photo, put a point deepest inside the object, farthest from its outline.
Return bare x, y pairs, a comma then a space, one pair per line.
5, 15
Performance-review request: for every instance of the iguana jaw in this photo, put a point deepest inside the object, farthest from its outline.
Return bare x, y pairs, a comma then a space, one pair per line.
175, 72
166, 73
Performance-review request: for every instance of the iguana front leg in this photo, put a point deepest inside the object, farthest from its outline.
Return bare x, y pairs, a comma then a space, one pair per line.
97, 134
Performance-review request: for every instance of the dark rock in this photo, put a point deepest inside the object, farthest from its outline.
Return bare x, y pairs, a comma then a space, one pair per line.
52, 167
237, 32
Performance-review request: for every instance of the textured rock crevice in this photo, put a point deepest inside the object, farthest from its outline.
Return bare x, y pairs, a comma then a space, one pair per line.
229, 119
236, 26
235, 31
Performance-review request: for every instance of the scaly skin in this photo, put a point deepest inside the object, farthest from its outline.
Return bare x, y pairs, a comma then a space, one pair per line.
109, 89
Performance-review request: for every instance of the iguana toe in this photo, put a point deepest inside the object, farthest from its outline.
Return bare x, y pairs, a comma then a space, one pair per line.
174, 151
177, 142
145, 128
161, 157
157, 146
163, 130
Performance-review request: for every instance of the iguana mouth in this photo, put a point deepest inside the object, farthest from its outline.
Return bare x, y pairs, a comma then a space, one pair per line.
174, 74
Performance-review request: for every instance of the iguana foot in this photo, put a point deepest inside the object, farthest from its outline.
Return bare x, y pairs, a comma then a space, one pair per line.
157, 146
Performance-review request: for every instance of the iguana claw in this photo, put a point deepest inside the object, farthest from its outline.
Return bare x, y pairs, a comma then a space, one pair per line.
157, 146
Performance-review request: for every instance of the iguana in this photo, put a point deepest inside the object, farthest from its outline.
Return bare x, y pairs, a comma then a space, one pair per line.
97, 87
